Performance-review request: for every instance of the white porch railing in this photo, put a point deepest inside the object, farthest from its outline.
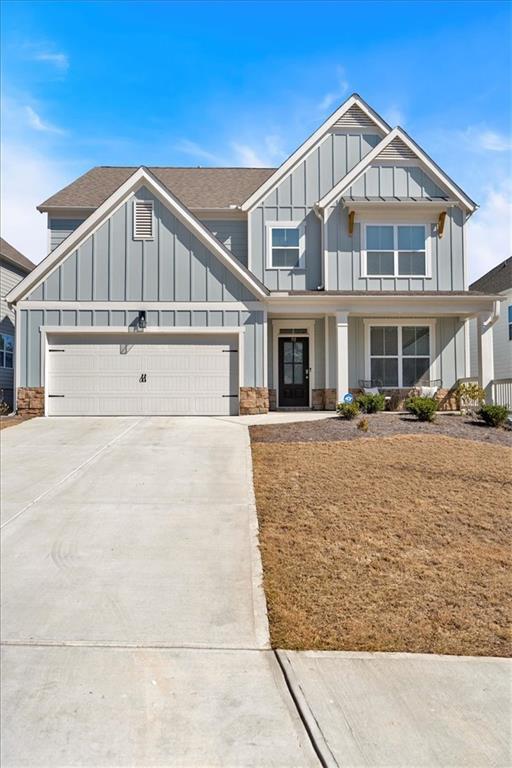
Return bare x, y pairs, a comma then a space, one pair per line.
502, 392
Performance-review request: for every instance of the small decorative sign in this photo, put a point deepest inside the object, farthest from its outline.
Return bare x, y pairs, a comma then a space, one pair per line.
348, 398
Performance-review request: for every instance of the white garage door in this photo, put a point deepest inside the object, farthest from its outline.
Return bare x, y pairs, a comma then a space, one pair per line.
142, 374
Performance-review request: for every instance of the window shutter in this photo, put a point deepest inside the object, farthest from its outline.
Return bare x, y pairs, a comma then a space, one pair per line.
143, 219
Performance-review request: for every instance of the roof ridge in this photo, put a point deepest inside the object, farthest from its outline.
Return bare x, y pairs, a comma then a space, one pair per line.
194, 167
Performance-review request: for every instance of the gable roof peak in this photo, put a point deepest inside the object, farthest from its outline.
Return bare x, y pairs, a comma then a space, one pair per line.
413, 151
336, 119
117, 198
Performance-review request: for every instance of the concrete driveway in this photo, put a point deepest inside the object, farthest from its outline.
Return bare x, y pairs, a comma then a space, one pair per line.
133, 620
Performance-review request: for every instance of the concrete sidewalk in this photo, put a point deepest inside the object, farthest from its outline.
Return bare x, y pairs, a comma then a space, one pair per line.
404, 710
133, 618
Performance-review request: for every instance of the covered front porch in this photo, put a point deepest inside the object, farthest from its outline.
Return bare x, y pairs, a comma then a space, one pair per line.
329, 346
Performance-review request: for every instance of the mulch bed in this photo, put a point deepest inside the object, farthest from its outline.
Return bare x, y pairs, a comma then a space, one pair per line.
379, 425
12, 420
392, 544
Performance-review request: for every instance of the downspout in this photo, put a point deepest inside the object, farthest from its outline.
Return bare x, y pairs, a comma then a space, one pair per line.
320, 215
494, 316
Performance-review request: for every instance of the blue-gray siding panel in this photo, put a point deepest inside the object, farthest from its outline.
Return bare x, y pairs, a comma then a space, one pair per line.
60, 229
344, 257
293, 199
395, 180
232, 233
174, 266
31, 321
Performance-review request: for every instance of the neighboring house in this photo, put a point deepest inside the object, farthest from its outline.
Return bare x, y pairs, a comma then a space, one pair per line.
499, 281
229, 290
13, 268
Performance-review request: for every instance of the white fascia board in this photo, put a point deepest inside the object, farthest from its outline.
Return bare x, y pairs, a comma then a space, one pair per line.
309, 145
358, 170
90, 225
382, 306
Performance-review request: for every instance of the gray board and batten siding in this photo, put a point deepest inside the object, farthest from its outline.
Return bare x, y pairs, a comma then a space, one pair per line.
111, 266
31, 320
293, 199
10, 276
230, 232
447, 256
449, 350
60, 228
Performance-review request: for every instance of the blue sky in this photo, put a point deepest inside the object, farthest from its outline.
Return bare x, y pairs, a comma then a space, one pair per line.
243, 83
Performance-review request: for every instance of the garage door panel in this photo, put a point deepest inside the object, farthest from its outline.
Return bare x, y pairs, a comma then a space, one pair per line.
145, 376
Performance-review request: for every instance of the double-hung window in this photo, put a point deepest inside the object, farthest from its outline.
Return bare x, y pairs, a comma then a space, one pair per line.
285, 245
395, 250
400, 356
6, 350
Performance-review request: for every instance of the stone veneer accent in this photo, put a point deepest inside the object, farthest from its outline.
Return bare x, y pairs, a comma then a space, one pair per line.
30, 401
324, 400
253, 400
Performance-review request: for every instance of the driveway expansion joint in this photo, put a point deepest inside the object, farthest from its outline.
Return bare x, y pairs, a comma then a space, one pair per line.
311, 725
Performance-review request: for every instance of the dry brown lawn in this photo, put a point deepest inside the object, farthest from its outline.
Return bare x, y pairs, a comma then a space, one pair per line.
390, 544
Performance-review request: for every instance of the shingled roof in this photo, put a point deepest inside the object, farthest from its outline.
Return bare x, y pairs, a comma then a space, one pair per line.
197, 188
9, 253
496, 280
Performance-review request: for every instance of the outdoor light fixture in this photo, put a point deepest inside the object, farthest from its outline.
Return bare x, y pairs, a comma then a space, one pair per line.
141, 321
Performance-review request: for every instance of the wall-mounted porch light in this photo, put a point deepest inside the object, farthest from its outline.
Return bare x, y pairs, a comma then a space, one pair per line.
141, 320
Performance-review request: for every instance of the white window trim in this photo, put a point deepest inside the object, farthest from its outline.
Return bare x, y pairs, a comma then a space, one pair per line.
144, 237
269, 226
3, 353
395, 224
409, 322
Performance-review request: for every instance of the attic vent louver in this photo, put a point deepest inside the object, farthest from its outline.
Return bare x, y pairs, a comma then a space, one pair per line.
397, 150
143, 219
354, 118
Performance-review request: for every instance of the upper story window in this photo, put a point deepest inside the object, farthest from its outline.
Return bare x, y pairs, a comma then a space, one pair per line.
142, 219
6, 350
285, 245
395, 250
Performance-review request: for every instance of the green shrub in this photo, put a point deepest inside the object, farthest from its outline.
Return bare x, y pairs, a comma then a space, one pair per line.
371, 403
424, 408
347, 410
493, 415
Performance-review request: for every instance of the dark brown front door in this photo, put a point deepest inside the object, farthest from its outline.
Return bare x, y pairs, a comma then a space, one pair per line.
293, 372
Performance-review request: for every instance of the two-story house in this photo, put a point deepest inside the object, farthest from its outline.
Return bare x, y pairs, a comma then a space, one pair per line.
14, 266
232, 290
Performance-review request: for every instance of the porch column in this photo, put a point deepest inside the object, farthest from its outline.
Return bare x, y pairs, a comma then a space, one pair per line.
341, 355
485, 354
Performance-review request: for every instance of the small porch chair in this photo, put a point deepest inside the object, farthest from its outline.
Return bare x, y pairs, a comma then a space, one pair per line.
428, 388
370, 386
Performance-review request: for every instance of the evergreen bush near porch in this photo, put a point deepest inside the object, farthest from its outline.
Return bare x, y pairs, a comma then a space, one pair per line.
347, 411
424, 408
371, 403
493, 415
